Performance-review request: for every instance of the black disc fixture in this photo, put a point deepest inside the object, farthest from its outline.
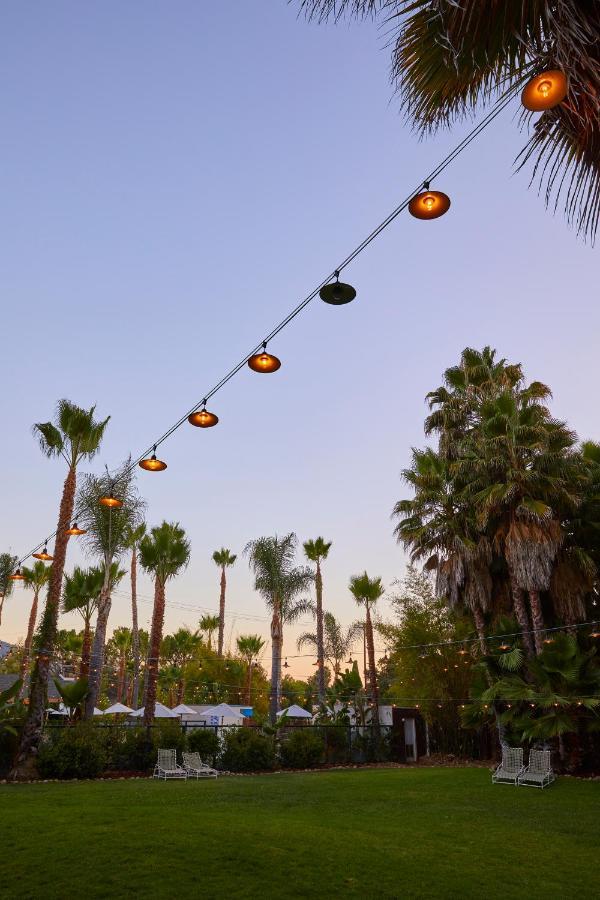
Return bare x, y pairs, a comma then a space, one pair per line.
337, 293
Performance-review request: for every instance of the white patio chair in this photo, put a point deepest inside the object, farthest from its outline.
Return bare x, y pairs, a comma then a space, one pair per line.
539, 771
167, 767
195, 768
511, 767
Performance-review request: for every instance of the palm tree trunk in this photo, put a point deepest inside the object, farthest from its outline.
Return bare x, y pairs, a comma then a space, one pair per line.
1, 606
320, 651
248, 696
522, 618
31, 735
276, 643
538, 620
181, 690
158, 616
28, 640
86, 646
480, 628
135, 633
222, 613
98, 647
372, 670
121, 680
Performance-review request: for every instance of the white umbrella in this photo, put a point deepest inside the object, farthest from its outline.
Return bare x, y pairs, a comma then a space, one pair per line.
295, 712
117, 708
223, 712
98, 712
57, 712
183, 710
160, 712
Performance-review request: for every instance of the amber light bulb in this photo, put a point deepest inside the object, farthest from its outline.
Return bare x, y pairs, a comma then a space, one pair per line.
203, 418
110, 502
429, 204
153, 464
74, 530
545, 91
17, 576
44, 555
264, 362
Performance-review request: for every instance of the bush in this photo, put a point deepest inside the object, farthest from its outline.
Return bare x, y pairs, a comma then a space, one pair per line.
247, 750
73, 751
204, 741
370, 747
336, 739
8, 750
303, 749
134, 750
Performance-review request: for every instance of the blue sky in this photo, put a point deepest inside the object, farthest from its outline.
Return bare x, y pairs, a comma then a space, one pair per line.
174, 179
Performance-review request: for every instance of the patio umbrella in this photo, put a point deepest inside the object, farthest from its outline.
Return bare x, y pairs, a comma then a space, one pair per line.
223, 714
295, 712
98, 712
183, 710
160, 712
57, 712
117, 708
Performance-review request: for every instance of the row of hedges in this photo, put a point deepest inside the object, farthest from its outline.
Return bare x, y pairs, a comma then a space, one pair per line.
86, 750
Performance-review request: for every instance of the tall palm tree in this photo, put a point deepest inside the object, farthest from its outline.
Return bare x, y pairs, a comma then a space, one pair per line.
249, 646
163, 554
316, 551
337, 641
133, 536
8, 564
36, 578
280, 583
121, 643
74, 436
209, 624
449, 57
367, 591
108, 532
81, 592
223, 558
180, 648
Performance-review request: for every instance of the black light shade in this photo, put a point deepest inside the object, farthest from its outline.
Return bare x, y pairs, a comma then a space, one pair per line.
337, 293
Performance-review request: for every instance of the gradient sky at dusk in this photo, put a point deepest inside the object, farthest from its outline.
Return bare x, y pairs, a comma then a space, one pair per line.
174, 178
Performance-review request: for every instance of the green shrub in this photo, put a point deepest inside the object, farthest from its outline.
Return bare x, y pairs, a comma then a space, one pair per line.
302, 749
247, 750
370, 747
73, 751
8, 750
336, 739
134, 750
204, 741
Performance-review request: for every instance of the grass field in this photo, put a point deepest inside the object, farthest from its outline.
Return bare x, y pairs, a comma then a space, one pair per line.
370, 833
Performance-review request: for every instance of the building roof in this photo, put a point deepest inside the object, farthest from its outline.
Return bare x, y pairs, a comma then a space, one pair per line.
7, 681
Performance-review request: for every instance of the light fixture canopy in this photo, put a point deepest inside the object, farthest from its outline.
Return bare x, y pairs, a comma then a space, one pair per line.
17, 576
202, 418
263, 361
545, 91
153, 464
429, 204
74, 530
110, 501
337, 293
44, 555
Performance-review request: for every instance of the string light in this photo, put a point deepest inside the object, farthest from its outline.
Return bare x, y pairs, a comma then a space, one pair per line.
203, 418
110, 501
337, 293
263, 361
545, 91
43, 555
17, 576
153, 464
75, 530
429, 204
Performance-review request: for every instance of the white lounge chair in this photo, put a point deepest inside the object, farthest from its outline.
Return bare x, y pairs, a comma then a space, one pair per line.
195, 768
539, 771
511, 767
167, 767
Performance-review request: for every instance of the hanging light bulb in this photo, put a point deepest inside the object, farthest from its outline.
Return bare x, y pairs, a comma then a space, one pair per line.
153, 464
203, 418
285, 665
264, 362
350, 660
504, 646
17, 576
429, 204
545, 91
337, 293
548, 640
595, 633
44, 555
110, 501
74, 530
462, 651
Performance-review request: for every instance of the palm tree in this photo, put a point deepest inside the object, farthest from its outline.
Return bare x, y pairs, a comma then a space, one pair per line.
280, 583
337, 642
36, 578
121, 642
367, 591
81, 592
224, 559
316, 551
8, 564
163, 554
133, 537
108, 532
450, 57
209, 624
180, 649
249, 646
75, 436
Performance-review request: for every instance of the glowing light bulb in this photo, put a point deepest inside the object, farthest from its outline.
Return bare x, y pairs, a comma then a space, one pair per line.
544, 87
429, 202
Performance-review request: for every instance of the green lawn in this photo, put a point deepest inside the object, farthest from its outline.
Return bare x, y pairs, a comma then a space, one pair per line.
371, 833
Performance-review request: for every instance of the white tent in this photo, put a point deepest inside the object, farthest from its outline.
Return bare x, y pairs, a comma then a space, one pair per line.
183, 710
295, 712
160, 712
57, 712
98, 712
223, 714
117, 708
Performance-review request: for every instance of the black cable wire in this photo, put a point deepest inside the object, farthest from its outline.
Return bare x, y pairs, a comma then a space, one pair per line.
460, 147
